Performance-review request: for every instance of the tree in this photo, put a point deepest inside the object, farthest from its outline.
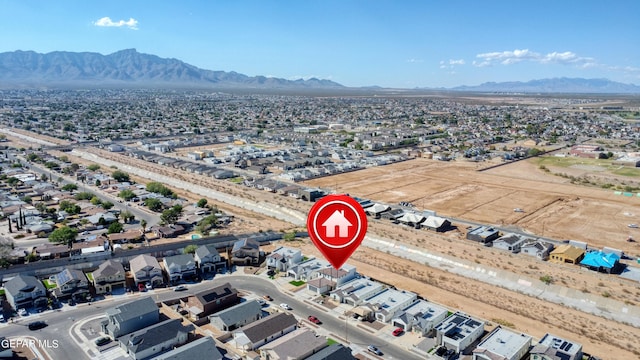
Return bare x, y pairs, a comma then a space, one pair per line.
70, 187
96, 201
84, 196
153, 204
126, 194
44, 177
127, 216
69, 207
93, 167
202, 203
120, 176
115, 227
171, 215
63, 235
98, 182
143, 223
190, 249
206, 224
107, 205
290, 236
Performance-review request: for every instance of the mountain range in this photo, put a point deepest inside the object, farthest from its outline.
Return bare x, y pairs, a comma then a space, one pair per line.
129, 68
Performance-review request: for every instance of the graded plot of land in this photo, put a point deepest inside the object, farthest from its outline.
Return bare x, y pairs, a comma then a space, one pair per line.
551, 208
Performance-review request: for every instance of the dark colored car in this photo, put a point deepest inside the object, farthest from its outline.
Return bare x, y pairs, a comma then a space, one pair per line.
314, 320
37, 325
103, 340
268, 298
271, 272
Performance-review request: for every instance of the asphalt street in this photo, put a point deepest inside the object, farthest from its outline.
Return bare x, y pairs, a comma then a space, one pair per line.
60, 321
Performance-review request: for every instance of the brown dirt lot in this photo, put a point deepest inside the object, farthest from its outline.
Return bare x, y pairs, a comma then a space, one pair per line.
552, 208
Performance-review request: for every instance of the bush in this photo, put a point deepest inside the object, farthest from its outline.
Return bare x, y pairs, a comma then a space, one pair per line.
547, 279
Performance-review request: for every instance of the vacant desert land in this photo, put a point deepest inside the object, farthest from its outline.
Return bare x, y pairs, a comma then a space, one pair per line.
552, 206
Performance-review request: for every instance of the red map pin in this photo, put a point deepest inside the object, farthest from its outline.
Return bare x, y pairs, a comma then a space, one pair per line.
337, 225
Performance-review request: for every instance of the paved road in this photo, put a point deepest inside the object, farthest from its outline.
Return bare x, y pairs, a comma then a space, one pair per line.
62, 323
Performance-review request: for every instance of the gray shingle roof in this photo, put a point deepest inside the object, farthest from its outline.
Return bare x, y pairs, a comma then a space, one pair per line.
203, 348
24, 283
108, 268
265, 327
155, 334
333, 352
237, 313
217, 292
206, 250
142, 261
130, 310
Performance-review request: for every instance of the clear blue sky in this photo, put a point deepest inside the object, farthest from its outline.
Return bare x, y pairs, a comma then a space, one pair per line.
391, 43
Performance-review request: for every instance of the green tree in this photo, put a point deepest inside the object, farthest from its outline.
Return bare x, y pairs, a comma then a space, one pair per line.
202, 203
207, 224
98, 182
44, 177
120, 176
190, 249
289, 236
84, 196
126, 194
93, 167
69, 207
171, 215
70, 187
127, 216
153, 204
107, 205
143, 223
158, 188
96, 201
115, 227
63, 235
27, 199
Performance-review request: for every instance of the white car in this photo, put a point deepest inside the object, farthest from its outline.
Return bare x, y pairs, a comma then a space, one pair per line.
633, 226
1, 318
285, 306
22, 312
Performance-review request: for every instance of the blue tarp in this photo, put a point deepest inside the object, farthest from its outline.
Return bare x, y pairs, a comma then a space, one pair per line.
600, 259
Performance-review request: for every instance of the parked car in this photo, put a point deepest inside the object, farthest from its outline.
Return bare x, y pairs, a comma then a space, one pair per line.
374, 349
103, 340
1, 318
397, 331
285, 306
268, 298
314, 319
633, 226
37, 325
22, 312
271, 272
180, 288
149, 286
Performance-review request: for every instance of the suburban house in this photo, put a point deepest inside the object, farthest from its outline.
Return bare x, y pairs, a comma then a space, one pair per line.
155, 338
389, 302
203, 348
208, 258
601, 261
169, 231
333, 352
102, 218
210, 301
326, 279
458, 332
308, 270
376, 209
245, 252
236, 316
25, 291
551, 347
264, 330
146, 269
502, 344
129, 317
420, 317
412, 219
283, 258
298, 344
128, 236
566, 254
110, 274
180, 267
436, 223
483, 234
356, 291
538, 248
71, 283
510, 242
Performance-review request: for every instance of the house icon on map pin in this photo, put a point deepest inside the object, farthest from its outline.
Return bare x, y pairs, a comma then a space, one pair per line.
338, 220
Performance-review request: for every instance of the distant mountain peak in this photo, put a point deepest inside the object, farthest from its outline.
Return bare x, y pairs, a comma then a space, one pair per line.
127, 68
556, 85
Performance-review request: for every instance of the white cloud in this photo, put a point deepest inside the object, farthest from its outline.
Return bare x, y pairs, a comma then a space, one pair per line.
516, 56
107, 22
452, 63
413, 61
